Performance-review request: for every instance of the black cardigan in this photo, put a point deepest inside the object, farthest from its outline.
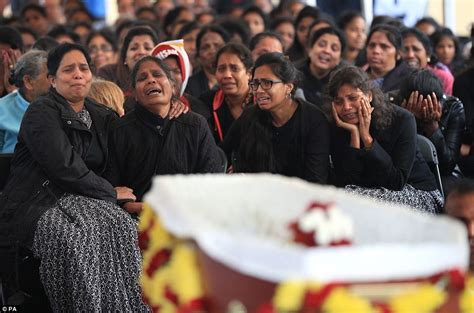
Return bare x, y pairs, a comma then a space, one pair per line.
143, 145
393, 160
301, 146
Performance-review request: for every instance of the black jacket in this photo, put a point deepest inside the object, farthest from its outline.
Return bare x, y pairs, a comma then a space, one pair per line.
393, 161
448, 137
143, 145
393, 79
463, 88
50, 160
221, 115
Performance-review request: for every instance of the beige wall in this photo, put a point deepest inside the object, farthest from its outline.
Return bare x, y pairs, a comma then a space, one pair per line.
464, 10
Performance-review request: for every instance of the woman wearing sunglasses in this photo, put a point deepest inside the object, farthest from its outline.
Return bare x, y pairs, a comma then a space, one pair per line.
280, 134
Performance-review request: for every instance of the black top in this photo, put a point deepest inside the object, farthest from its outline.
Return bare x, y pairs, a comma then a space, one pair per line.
296, 52
222, 114
393, 79
143, 144
463, 88
393, 160
312, 86
447, 138
197, 106
197, 84
300, 147
56, 153
194, 103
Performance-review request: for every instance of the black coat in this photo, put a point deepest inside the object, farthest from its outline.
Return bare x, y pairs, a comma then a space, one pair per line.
143, 145
393, 160
49, 160
447, 138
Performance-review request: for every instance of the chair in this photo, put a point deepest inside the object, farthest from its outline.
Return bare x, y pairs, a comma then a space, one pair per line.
428, 150
20, 283
223, 158
5, 160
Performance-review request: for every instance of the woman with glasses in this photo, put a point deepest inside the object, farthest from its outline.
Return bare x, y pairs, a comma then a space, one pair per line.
373, 144
102, 48
233, 65
280, 134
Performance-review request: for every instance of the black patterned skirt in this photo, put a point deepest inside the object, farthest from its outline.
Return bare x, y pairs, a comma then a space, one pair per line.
90, 260
420, 200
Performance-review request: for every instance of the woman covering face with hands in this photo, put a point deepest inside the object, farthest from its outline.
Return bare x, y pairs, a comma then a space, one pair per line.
438, 117
373, 144
355, 116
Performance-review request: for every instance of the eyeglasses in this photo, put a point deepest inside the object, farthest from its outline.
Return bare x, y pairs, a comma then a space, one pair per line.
103, 48
266, 84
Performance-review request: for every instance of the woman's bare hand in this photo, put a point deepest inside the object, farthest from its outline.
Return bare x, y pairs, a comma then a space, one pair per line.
414, 104
133, 207
177, 108
353, 129
125, 193
365, 118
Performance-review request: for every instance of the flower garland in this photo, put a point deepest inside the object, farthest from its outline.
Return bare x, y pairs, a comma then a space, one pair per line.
170, 277
171, 282
298, 296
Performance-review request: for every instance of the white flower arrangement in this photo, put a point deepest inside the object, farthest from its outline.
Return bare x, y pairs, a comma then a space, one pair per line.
330, 225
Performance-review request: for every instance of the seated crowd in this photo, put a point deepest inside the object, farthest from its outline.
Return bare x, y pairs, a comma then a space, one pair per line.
91, 116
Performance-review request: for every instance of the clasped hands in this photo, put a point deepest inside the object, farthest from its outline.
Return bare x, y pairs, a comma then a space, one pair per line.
126, 196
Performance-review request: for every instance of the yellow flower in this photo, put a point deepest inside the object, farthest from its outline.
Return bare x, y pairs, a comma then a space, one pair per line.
289, 296
467, 297
185, 277
146, 216
424, 299
340, 300
154, 287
